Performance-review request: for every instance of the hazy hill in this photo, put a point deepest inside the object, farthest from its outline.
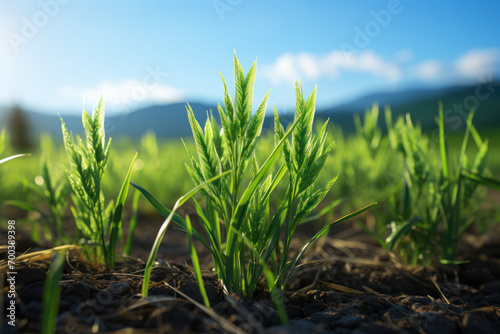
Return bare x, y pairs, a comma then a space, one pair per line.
456, 105
171, 120
423, 107
166, 120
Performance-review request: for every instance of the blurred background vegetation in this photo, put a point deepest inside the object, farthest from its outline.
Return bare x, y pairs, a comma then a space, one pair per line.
370, 169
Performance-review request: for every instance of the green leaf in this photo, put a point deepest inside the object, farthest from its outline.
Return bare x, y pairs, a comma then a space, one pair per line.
166, 212
228, 102
402, 228
317, 235
163, 229
485, 181
105, 159
312, 201
270, 281
442, 145
275, 294
474, 133
217, 137
373, 234
452, 262
196, 263
226, 125
88, 126
243, 93
390, 128
299, 100
13, 157
311, 172
255, 128
98, 130
280, 133
2, 141
302, 133
23, 205
310, 107
199, 139
248, 94
205, 153
276, 180
133, 223
324, 211
480, 160
117, 215
51, 295
204, 220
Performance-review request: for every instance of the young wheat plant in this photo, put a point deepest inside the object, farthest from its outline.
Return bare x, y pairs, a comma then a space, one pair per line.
243, 230
436, 204
97, 224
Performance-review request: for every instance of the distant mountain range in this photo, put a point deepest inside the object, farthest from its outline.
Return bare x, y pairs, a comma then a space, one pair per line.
422, 105
171, 121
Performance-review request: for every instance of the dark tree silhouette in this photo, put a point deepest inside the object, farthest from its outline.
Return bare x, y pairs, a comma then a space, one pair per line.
19, 129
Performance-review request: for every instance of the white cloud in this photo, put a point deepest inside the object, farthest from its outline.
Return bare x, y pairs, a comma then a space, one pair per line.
289, 67
478, 62
313, 67
404, 56
284, 68
123, 96
428, 70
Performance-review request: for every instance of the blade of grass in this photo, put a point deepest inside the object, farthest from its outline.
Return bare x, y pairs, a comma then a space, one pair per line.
196, 263
466, 137
23, 205
324, 229
474, 133
393, 239
323, 212
453, 262
485, 181
117, 215
377, 237
270, 281
13, 157
166, 212
442, 145
133, 223
275, 294
163, 229
51, 294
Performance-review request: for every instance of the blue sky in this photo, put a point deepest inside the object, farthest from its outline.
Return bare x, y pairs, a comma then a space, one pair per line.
54, 54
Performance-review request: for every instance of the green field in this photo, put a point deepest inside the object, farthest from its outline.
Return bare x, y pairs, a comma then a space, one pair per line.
365, 174
160, 164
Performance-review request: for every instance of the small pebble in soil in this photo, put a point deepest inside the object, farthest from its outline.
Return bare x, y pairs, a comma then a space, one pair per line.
120, 288
298, 327
437, 323
350, 321
491, 287
161, 263
265, 314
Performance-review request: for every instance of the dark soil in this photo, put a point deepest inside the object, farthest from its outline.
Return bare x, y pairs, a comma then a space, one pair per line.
352, 287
